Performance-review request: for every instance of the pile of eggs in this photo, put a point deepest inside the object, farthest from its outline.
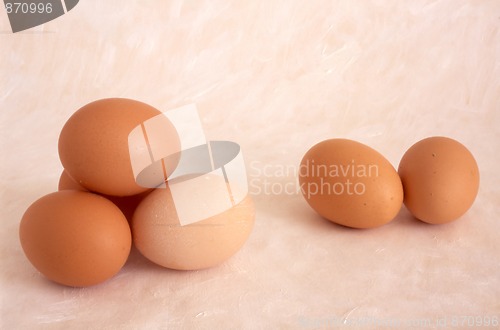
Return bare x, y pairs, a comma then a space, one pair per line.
353, 185
82, 234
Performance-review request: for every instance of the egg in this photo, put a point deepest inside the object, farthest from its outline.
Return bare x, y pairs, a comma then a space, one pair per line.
127, 204
350, 184
440, 179
75, 238
66, 182
94, 145
160, 237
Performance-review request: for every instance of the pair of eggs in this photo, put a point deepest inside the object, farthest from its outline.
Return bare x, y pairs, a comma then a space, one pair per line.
353, 185
83, 234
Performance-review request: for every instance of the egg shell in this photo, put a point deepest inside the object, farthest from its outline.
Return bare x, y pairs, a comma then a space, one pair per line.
75, 238
440, 179
127, 204
94, 145
350, 184
159, 236
66, 182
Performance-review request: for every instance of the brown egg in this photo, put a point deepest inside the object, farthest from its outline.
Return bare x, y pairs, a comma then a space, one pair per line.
440, 179
75, 238
94, 145
127, 204
350, 184
159, 236
66, 182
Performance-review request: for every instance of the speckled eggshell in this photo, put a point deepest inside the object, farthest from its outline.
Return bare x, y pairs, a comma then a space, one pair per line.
159, 236
440, 178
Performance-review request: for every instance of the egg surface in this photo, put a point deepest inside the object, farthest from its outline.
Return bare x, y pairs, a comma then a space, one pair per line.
350, 184
66, 182
160, 237
75, 238
94, 145
127, 204
440, 179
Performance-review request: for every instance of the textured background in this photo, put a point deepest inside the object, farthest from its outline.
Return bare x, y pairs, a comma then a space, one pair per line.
276, 77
